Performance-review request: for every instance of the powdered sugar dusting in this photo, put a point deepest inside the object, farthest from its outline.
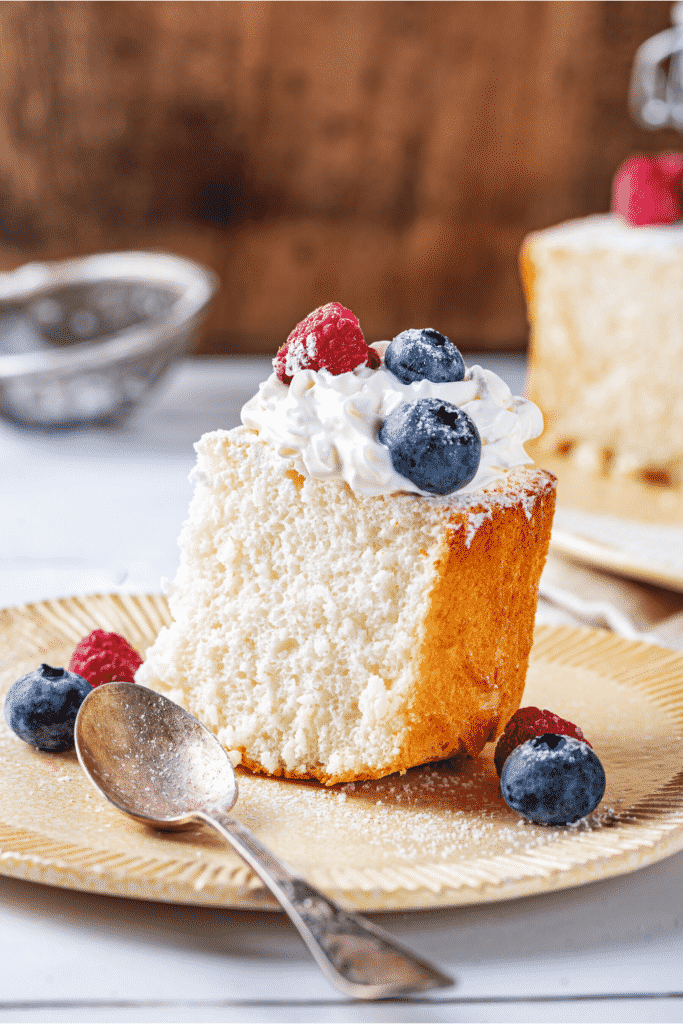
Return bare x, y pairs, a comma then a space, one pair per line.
474, 521
441, 813
301, 352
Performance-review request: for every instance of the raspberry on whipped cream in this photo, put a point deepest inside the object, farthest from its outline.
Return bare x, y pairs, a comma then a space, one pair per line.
329, 338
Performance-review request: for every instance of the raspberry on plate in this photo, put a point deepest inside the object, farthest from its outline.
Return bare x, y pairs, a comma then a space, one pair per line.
528, 723
104, 657
329, 338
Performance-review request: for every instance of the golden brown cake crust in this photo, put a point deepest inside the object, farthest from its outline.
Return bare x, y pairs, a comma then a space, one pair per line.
529, 275
480, 629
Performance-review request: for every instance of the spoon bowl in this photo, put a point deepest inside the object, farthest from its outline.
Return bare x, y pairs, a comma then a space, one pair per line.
154, 761
150, 758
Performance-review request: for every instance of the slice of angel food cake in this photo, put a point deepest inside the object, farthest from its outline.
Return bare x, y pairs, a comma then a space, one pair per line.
359, 570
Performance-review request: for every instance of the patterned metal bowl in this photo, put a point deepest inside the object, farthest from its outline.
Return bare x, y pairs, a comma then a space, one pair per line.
85, 340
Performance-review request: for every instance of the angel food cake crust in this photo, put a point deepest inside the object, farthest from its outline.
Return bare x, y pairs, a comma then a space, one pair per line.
326, 635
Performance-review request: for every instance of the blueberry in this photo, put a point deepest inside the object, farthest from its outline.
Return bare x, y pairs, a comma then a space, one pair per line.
41, 707
424, 355
433, 443
553, 780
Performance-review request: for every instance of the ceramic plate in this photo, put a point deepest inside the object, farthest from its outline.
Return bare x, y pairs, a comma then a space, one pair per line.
438, 836
621, 525
598, 553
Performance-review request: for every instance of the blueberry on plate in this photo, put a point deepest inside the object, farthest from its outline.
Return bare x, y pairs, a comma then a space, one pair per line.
553, 780
41, 707
433, 443
424, 355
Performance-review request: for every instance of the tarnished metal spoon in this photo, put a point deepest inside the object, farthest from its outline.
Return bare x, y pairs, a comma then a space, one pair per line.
153, 760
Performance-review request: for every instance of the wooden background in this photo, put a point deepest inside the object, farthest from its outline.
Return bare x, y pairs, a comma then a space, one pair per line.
387, 155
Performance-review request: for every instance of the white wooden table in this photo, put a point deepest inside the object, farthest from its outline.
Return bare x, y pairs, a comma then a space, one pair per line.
101, 510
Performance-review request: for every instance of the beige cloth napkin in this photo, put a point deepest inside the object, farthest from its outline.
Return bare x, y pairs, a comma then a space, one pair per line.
572, 593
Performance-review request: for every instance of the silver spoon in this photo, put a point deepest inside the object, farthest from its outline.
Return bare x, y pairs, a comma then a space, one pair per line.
153, 760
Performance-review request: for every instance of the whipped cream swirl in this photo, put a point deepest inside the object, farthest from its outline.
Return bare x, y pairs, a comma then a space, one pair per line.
327, 424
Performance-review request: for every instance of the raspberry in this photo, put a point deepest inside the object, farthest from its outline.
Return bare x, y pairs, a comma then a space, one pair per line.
329, 338
105, 658
670, 166
528, 723
374, 359
647, 189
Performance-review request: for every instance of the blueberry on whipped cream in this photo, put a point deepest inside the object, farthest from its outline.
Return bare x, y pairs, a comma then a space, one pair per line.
433, 443
424, 355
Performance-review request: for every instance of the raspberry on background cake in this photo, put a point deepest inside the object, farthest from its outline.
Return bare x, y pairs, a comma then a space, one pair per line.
335, 619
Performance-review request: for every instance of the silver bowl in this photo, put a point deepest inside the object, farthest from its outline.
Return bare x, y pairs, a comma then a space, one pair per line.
85, 340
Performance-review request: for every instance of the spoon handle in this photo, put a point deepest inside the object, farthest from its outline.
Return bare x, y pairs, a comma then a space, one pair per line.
359, 958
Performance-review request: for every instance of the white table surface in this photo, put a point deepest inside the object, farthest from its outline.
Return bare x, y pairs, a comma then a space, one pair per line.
101, 510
